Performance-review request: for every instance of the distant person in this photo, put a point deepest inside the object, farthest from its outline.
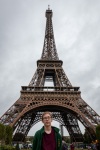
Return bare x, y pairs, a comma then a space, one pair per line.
98, 146
17, 146
94, 147
64, 144
48, 137
88, 147
72, 147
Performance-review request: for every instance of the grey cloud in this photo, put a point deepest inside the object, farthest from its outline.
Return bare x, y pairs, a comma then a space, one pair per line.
77, 34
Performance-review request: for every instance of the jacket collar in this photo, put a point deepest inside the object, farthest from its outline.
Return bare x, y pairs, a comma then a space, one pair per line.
55, 128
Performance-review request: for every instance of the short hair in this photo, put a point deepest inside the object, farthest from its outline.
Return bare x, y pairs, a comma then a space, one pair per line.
47, 112
63, 138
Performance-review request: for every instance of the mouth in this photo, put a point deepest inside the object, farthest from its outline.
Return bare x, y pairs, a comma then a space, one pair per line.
47, 122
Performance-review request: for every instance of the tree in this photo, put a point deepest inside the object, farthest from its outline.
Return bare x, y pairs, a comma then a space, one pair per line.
98, 133
9, 133
87, 138
2, 133
67, 139
5, 134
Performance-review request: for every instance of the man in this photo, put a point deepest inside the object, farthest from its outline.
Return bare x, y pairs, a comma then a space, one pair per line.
64, 144
72, 146
48, 137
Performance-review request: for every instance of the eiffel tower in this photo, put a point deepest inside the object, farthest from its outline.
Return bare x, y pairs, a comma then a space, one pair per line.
62, 99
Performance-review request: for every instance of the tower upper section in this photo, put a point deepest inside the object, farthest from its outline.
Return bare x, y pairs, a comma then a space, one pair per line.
49, 48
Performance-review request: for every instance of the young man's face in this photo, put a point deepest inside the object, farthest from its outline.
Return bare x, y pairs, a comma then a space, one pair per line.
47, 120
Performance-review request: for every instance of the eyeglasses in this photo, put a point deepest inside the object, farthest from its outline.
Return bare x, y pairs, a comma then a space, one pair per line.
45, 118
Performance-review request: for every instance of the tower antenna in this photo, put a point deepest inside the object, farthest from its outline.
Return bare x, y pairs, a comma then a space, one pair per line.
48, 7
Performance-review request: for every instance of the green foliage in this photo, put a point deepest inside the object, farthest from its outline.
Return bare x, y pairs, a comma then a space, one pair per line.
98, 132
7, 147
2, 132
67, 139
89, 135
9, 133
31, 139
5, 134
87, 138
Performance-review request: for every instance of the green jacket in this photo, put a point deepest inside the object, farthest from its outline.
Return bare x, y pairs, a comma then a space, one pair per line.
37, 141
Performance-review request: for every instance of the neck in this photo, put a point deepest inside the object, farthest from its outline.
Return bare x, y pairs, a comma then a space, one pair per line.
47, 129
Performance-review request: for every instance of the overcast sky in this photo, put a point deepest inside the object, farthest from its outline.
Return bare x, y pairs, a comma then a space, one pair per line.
76, 25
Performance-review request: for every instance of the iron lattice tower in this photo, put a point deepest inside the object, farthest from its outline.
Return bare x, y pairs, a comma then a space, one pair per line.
62, 99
